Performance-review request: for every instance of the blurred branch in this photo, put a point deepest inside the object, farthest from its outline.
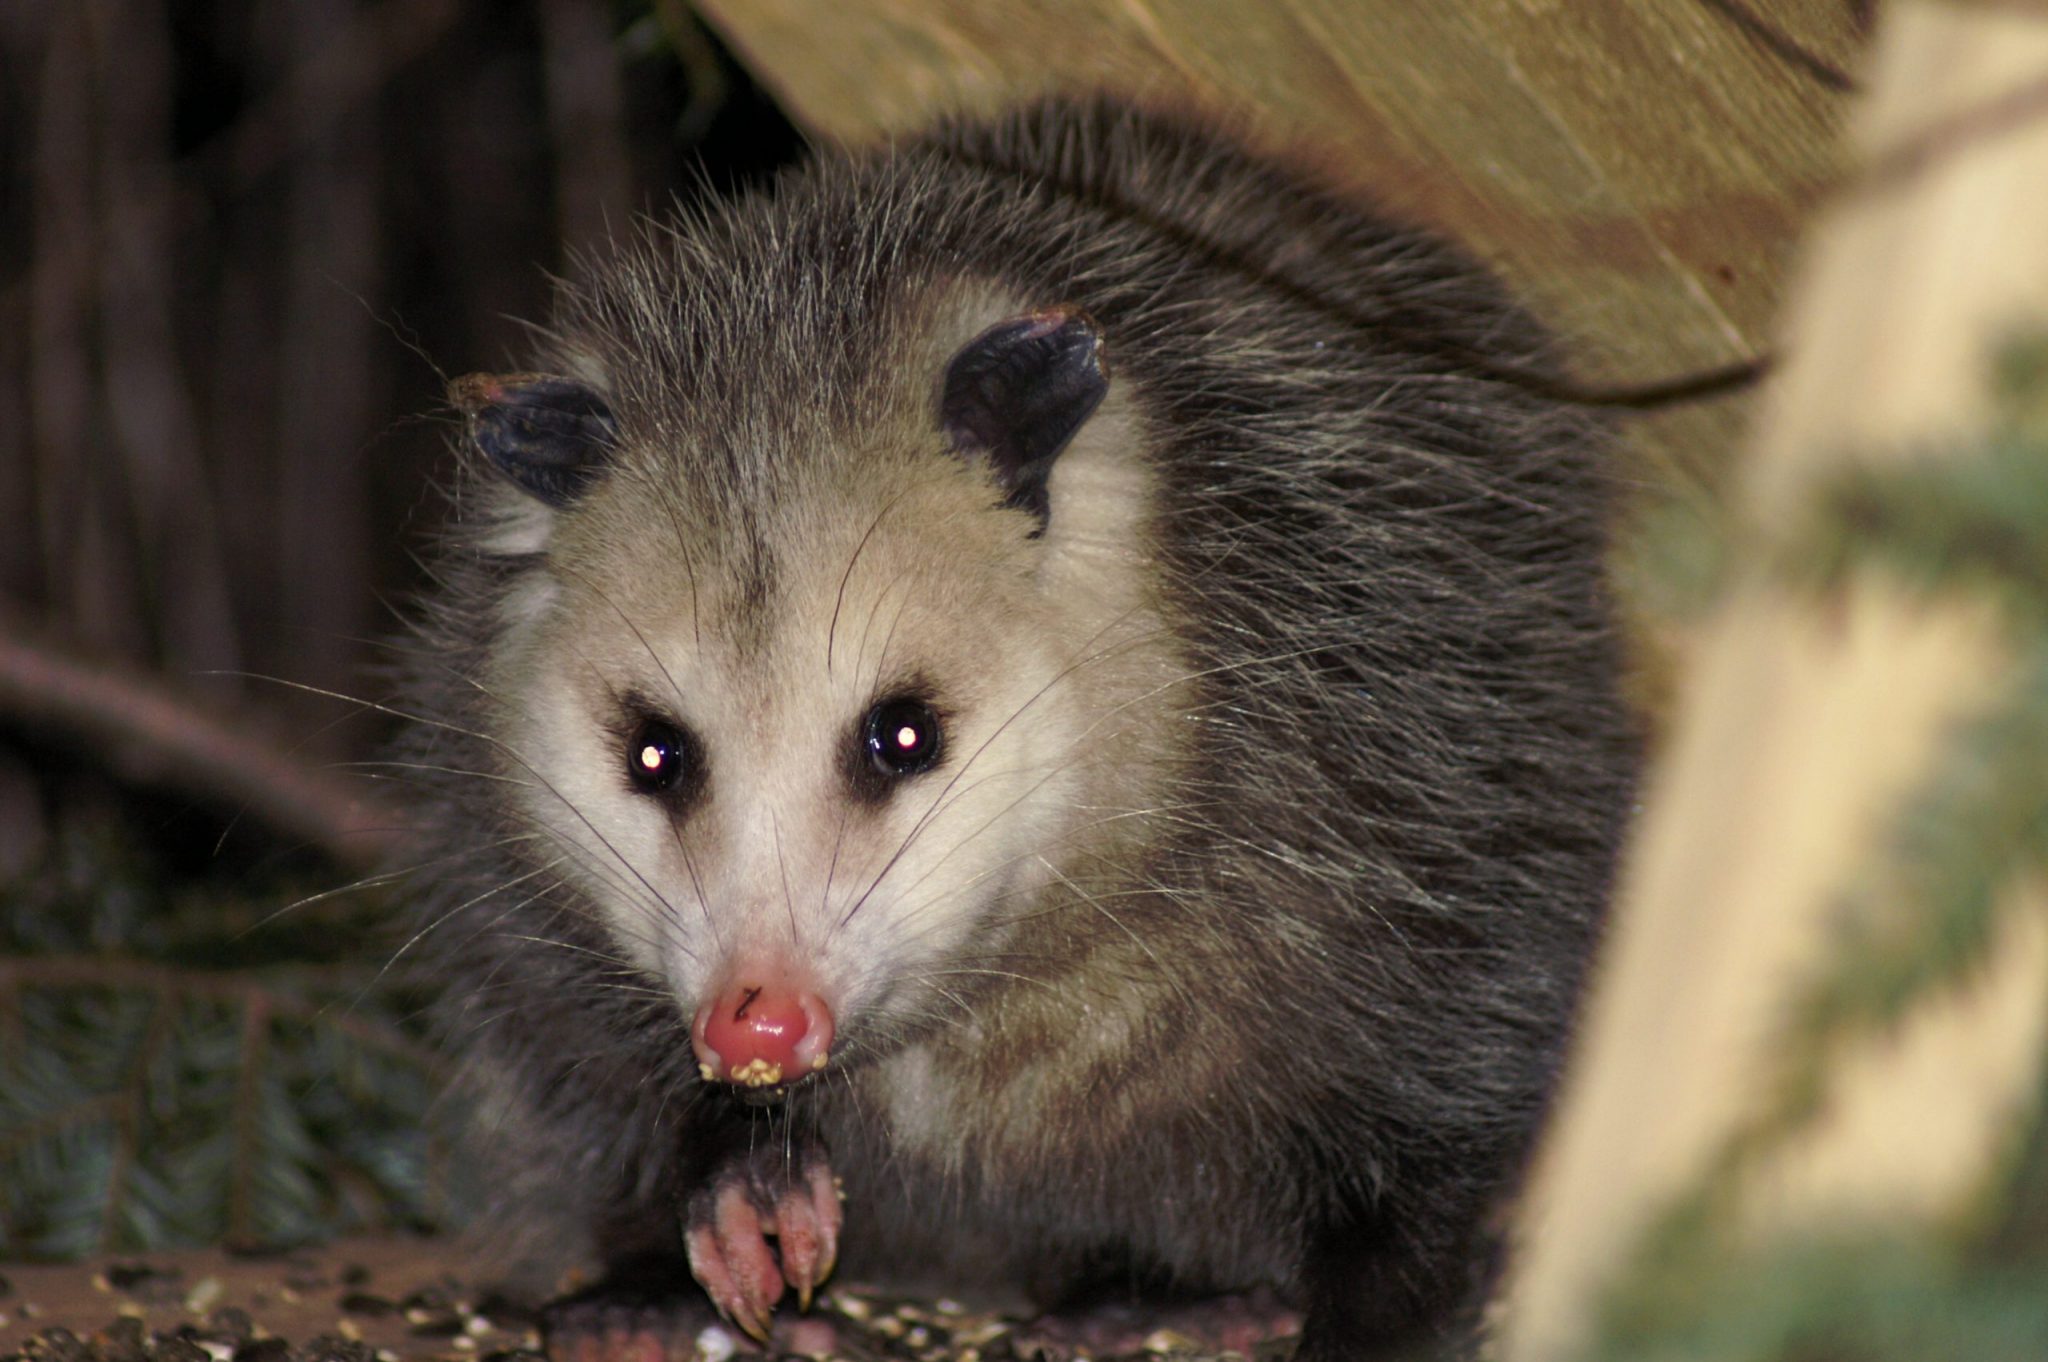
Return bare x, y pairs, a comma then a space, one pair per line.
586, 122
325, 379
274, 130
169, 501
709, 88
277, 128
148, 734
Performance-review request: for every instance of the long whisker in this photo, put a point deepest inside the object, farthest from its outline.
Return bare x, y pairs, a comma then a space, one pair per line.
839, 599
512, 754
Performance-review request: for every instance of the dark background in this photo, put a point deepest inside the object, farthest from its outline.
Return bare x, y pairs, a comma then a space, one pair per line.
243, 244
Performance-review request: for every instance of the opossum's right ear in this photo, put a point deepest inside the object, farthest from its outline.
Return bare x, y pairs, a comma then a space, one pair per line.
552, 436
1016, 394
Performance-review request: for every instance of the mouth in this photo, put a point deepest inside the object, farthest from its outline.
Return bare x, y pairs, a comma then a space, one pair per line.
770, 1096
849, 1057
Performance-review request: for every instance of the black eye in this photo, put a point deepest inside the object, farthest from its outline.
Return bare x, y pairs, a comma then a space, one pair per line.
657, 756
903, 737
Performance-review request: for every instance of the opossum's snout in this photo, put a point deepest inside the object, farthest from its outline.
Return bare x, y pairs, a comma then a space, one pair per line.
761, 1033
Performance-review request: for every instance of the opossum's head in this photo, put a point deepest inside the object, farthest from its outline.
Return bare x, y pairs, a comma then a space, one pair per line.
813, 710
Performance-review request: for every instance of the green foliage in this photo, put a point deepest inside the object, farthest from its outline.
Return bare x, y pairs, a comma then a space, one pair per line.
182, 1063
1926, 915
1850, 1300
1961, 524
1916, 925
1673, 559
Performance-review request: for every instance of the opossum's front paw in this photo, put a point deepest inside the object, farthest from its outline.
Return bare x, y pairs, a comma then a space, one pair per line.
792, 1199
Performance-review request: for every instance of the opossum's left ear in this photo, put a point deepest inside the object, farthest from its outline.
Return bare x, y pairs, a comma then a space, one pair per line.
1015, 395
550, 435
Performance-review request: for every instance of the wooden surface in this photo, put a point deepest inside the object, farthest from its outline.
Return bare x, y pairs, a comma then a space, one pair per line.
1805, 723
1639, 168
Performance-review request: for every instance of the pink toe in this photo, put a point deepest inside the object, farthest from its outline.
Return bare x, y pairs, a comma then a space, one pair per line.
755, 1273
733, 1263
800, 1238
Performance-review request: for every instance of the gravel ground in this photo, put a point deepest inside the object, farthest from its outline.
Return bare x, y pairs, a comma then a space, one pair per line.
395, 1300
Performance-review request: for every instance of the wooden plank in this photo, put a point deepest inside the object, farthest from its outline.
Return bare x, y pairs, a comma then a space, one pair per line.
1638, 169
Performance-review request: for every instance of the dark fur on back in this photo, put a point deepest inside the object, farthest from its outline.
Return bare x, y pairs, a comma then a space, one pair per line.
1364, 915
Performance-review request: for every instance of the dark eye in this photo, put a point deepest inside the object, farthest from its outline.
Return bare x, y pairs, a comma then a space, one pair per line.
657, 756
903, 737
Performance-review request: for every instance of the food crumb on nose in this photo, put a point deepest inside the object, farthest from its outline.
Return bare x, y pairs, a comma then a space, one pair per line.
758, 1073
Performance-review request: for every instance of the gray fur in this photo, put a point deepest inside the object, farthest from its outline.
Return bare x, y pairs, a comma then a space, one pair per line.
1290, 1008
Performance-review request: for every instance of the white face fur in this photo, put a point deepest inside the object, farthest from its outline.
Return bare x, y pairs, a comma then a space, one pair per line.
896, 581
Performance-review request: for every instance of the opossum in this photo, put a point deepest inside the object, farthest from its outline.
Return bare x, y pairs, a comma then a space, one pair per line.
1035, 707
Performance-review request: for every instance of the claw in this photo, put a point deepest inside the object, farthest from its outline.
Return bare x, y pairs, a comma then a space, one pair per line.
807, 1222
731, 1260
727, 1238
754, 1326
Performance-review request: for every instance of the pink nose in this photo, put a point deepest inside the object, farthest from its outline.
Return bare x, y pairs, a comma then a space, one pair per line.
761, 1034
